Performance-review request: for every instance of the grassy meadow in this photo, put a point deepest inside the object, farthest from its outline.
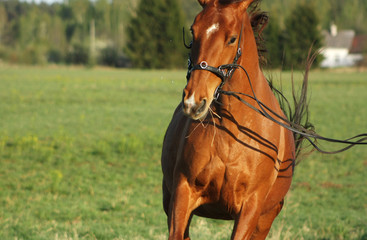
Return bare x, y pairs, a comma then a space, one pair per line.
80, 156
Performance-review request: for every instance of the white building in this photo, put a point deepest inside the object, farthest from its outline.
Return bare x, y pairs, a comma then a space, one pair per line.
338, 50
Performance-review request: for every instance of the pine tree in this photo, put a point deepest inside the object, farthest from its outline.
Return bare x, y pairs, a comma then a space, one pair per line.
154, 35
301, 34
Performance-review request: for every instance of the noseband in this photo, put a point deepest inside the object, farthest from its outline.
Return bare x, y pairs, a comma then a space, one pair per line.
224, 72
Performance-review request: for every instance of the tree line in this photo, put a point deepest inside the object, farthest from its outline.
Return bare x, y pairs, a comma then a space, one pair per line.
148, 34
72, 32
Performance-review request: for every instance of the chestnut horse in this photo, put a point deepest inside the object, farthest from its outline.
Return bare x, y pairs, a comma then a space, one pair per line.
220, 158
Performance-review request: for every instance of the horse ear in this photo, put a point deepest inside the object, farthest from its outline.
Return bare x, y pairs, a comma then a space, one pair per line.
204, 2
245, 4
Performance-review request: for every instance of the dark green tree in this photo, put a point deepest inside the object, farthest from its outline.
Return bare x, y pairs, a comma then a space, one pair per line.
154, 35
274, 47
302, 33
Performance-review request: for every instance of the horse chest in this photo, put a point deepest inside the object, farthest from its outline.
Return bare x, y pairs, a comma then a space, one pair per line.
226, 171
223, 187
216, 176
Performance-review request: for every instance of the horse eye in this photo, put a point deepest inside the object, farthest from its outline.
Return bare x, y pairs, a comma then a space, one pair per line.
232, 40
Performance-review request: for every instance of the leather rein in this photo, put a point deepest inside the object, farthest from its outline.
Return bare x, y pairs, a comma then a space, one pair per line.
225, 73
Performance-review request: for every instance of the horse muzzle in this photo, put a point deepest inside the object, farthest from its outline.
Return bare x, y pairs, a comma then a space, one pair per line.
193, 109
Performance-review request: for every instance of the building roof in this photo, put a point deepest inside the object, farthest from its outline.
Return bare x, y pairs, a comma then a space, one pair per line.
342, 39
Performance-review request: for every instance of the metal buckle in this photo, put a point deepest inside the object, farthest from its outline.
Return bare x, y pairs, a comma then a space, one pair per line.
203, 65
216, 93
222, 71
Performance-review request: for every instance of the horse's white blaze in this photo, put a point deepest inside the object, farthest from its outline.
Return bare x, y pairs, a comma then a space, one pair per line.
190, 102
213, 28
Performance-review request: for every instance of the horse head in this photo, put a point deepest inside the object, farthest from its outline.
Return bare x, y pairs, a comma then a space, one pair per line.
216, 33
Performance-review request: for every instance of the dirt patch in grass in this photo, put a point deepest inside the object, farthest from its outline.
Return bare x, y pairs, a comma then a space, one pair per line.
331, 185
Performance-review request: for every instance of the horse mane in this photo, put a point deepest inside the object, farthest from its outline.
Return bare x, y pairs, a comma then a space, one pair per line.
298, 112
259, 19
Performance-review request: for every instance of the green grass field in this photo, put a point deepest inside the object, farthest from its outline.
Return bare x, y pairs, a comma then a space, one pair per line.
80, 157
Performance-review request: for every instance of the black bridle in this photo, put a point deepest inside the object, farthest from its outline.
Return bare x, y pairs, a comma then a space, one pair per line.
225, 73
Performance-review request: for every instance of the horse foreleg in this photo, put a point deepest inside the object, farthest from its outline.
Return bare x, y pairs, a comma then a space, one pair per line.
246, 220
183, 202
265, 222
187, 234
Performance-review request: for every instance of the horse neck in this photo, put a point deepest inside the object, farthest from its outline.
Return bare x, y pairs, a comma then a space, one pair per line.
240, 82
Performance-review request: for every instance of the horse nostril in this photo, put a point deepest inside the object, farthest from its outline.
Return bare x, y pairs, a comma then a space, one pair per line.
202, 106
